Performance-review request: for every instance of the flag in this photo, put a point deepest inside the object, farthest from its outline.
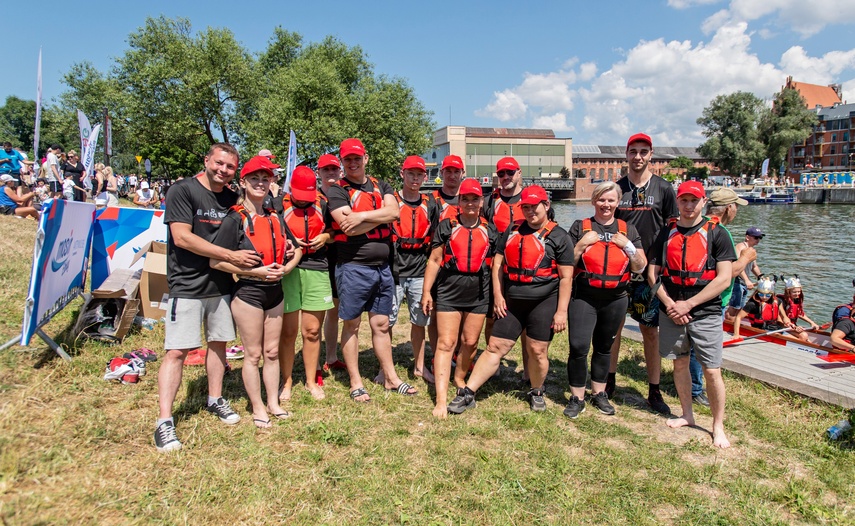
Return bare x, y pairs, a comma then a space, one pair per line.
87, 155
291, 161
765, 169
38, 112
108, 135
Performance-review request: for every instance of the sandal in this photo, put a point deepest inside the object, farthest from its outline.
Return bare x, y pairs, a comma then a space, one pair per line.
356, 393
260, 423
404, 389
146, 355
282, 416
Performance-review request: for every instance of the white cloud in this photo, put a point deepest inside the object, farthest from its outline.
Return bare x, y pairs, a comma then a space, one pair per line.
803, 17
556, 122
684, 4
816, 70
506, 106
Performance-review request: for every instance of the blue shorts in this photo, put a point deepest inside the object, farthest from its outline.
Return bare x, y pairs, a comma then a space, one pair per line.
364, 289
739, 296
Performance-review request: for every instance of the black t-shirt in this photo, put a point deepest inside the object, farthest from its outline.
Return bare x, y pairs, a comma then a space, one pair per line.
847, 327
76, 170
722, 250
412, 263
231, 234
753, 307
650, 214
558, 249
360, 249
443, 199
462, 290
581, 289
188, 274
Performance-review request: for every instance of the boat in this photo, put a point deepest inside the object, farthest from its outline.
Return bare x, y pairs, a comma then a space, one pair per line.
819, 342
770, 194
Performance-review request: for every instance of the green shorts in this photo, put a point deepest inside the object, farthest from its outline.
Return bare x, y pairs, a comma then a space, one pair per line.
307, 290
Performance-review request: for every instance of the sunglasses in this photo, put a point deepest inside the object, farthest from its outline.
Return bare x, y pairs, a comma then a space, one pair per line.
763, 295
506, 173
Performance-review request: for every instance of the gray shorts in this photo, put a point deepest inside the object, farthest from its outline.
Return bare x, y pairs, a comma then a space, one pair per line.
705, 334
412, 289
185, 316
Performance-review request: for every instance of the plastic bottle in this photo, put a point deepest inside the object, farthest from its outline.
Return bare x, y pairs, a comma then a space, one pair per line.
840, 429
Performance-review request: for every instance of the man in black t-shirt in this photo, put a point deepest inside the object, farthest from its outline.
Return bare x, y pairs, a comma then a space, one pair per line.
197, 293
648, 202
363, 208
694, 258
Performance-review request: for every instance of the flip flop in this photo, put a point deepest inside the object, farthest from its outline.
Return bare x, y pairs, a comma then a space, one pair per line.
260, 423
282, 416
146, 355
357, 393
404, 389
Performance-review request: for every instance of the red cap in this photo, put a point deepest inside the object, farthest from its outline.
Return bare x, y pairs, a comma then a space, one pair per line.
639, 137
533, 195
258, 163
692, 188
351, 147
328, 159
452, 161
507, 163
414, 162
470, 186
304, 184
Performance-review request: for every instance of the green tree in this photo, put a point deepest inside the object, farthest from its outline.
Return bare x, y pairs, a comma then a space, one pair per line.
730, 124
681, 162
790, 122
17, 120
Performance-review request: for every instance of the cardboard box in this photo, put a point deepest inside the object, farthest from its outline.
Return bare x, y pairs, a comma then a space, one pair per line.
154, 292
119, 290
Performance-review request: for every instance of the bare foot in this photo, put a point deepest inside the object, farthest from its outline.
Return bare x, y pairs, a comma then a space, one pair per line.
425, 375
316, 392
285, 394
261, 420
680, 422
720, 440
278, 412
440, 411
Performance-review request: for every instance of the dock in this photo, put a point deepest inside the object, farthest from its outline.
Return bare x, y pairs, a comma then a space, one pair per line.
791, 369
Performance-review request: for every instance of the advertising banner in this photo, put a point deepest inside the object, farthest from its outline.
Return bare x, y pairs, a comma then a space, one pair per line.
118, 235
60, 260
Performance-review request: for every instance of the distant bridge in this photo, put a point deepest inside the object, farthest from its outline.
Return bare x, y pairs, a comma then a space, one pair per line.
557, 188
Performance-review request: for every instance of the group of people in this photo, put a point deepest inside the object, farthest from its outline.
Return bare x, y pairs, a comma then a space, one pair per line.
463, 262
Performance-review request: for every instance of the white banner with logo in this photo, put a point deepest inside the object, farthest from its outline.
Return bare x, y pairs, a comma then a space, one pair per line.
60, 261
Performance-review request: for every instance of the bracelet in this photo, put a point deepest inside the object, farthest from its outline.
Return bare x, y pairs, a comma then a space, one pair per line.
629, 249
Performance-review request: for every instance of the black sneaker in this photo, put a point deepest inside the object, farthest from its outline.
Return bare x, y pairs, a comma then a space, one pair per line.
462, 401
536, 401
611, 385
654, 398
701, 399
222, 409
601, 402
165, 438
574, 408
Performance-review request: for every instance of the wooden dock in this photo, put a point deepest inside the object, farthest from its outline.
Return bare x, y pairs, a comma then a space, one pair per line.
797, 371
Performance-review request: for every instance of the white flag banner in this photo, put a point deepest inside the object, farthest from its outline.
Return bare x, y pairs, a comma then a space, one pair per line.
87, 155
38, 113
85, 130
291, 162
765, 169
108, 137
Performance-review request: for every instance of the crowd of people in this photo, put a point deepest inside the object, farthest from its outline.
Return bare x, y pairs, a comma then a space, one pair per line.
464, 263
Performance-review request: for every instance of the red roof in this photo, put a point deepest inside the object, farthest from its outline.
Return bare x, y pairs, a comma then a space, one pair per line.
814, 94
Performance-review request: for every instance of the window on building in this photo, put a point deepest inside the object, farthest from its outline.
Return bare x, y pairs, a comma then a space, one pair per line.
846, 136
602, 173
611, 173
834, 125
834, 136
833, 150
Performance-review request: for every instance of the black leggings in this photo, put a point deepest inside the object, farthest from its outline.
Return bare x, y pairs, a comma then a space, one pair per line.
596, 319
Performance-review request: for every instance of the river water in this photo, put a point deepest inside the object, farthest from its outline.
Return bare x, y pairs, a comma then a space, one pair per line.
814, 241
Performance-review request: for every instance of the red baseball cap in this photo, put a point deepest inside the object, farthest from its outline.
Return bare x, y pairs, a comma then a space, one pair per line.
414, 162
304, 184
258, 163
328, 159
533, 195
694, 188
507, 163
470, 186
452, 161
351, 147
639, 137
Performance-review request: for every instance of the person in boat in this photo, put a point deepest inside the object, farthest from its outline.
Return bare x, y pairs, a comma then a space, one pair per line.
742, 284
461, 253
762, 310
842, 311
606, 251
257, 296
843, 334
532, 275
791, 305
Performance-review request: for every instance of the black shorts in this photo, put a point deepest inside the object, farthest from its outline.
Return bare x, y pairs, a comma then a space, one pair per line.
262, 296
7, 210
55, 186
533, 316
477, 309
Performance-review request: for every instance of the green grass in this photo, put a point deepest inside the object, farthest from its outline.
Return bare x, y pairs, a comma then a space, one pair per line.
76, 449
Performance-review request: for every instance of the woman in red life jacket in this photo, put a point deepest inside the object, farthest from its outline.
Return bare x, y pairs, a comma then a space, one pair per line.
257, 297
606, 251
459, 265
792, 306
306, 290
761, 310
532, 274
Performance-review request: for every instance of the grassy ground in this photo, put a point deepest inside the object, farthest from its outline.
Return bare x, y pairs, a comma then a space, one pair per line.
76, 449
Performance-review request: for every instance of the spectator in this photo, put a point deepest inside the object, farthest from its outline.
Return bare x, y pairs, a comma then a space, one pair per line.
13, 204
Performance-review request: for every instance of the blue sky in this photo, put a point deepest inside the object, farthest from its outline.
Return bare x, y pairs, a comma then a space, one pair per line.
593, 71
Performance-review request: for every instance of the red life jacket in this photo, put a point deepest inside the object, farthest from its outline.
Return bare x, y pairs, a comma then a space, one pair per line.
793, 310
687, 259
525, 255
505, 215
467, 249
266, 233
446, 209
841, 311
412, 229
305, 223
768, 313
363, 202
603, 265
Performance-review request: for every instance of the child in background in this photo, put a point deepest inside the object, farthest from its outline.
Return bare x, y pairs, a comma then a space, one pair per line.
792, 307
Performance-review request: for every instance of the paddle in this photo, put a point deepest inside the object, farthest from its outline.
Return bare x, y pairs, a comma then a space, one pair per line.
740, 339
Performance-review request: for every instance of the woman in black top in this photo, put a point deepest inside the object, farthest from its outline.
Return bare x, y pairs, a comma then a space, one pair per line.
73, 165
